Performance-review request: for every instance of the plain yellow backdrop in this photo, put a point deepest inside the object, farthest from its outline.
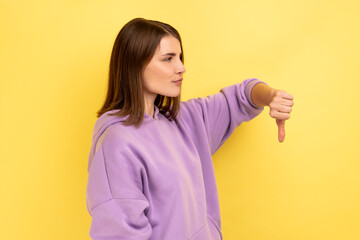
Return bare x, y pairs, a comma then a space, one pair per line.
53, 70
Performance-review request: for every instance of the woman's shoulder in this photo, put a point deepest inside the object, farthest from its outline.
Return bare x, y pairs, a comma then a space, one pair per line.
118, 132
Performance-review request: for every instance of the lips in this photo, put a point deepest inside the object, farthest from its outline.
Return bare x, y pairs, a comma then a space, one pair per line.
178, 80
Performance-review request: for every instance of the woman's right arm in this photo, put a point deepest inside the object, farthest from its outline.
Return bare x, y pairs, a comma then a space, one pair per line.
114, 195
223, 112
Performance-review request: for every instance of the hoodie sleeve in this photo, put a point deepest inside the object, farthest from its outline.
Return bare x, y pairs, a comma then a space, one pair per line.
115, 199
223, 112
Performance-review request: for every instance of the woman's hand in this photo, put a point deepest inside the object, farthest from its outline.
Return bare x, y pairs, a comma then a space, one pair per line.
280, 108
280, 103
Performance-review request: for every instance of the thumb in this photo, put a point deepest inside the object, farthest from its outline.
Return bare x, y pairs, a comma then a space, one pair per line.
281, 129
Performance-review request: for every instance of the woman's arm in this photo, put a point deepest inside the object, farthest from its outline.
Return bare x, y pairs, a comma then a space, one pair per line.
280, 103
262, 94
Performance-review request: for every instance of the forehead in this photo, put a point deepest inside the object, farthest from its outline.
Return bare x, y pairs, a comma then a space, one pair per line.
169, 44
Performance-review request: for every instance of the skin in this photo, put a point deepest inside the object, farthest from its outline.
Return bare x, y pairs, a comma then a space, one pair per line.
279, 102
161, 72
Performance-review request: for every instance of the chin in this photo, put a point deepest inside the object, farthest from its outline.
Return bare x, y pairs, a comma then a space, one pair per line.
175, 94
172, 93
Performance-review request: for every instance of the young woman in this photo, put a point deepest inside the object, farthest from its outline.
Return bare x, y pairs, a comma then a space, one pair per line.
150, 165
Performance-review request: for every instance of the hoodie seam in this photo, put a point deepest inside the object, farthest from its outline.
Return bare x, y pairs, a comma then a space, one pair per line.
215, 224
107, 175
101, 203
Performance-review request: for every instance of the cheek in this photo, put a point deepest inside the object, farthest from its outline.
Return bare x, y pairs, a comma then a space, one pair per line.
157, 74
161, 71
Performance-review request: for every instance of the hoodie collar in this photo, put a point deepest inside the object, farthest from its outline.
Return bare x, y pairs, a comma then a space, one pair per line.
148, 117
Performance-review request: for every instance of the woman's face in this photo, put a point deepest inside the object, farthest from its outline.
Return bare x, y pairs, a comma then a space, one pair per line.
163, 70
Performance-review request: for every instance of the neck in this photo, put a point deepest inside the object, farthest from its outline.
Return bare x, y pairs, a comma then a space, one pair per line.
149, 105
149, 110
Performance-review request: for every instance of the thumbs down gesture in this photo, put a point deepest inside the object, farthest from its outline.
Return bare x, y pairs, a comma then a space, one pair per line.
279, 102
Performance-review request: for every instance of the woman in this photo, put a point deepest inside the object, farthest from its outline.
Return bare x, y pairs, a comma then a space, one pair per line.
150, 168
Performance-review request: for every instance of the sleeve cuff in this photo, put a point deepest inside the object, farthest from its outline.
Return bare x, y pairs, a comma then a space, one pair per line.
249, 88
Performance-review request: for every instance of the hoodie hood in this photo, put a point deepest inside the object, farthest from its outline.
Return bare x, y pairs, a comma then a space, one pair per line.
105, 120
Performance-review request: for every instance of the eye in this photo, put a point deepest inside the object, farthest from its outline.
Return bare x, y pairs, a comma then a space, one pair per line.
168, 59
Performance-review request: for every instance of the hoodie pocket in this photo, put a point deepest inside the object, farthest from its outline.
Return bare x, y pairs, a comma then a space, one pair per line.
209, 232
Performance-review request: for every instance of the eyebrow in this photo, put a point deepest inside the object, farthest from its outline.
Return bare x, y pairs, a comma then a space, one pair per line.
171, 54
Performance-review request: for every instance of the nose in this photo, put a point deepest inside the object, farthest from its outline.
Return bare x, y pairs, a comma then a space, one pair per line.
181, 68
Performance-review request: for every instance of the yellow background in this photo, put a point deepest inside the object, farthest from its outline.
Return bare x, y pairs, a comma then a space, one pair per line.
53, 71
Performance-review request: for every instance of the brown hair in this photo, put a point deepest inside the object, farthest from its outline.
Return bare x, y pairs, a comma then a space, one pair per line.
133, 49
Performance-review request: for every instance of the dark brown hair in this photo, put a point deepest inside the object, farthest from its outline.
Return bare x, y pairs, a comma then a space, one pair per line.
133, 49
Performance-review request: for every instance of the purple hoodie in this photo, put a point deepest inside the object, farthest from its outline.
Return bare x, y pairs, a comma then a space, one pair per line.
157, 182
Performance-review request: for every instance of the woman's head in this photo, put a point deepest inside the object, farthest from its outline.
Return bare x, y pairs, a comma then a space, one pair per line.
164, 69
138, 72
